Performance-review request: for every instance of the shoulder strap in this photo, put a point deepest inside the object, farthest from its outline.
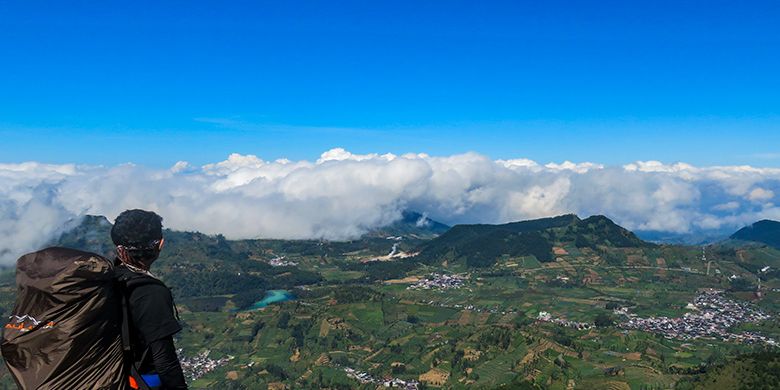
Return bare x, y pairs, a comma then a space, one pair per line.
125, 320
125, 284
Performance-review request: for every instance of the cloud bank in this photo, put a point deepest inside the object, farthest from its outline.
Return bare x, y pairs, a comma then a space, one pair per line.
342, 195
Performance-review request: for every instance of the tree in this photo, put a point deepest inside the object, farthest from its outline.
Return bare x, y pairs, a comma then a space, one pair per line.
284, 320
741, 284
604, 320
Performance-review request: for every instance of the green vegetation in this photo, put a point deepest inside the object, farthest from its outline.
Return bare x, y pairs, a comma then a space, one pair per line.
483, 245
356, 313
757, 371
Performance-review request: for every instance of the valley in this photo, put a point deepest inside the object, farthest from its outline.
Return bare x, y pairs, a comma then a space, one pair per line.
556, 303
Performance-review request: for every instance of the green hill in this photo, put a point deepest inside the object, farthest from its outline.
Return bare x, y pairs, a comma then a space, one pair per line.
482, 245
765, 231
93, 233
751, 371
196, 264
599, 230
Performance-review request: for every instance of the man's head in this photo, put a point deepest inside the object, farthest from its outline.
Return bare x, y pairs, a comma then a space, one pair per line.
137, 235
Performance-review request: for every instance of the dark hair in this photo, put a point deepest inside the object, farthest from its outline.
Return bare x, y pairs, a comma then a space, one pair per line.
137, 229
139, 232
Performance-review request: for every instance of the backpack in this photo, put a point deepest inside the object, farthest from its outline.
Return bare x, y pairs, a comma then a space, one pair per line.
66, 330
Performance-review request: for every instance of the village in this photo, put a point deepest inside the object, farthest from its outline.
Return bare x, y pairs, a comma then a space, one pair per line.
714, 315
364, 377
279, 261
547, 317
439, 282
197, 366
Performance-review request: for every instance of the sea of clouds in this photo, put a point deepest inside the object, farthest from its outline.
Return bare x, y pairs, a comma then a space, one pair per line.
342, 195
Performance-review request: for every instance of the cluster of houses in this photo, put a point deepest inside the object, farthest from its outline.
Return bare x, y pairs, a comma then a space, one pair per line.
197, 366
547, 317
364, 378
279, 261
438, 282
713, 316
469, 307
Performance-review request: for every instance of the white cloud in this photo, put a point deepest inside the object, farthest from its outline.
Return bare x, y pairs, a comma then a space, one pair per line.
341, 195
568, 165
519, 163
759, 194
728, 206
181, 166
339, 154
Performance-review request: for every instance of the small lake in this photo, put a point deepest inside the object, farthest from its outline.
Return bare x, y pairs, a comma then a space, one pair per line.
273, 296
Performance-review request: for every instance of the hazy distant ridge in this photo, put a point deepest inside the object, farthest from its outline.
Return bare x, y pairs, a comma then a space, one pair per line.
765, 231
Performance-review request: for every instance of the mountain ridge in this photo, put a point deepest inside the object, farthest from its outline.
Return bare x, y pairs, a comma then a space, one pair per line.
764, 231
481, 245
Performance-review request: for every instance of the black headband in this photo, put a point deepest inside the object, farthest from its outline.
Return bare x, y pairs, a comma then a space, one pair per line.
149, 246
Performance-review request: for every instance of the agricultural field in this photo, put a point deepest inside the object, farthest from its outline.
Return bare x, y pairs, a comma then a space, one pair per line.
456, 320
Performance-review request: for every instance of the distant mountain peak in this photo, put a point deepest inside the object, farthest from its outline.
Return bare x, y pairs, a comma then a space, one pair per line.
411, 223
765, 231
92, 220
414, 217
765, 223
599, 219
482, 244
92, 233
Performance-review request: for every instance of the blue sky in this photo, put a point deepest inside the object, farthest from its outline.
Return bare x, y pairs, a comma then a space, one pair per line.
610, 82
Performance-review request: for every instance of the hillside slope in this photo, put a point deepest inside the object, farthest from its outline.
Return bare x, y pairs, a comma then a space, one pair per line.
483, 245
765, 231
751, 371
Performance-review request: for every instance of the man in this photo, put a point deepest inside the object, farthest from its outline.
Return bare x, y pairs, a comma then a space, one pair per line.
137, 235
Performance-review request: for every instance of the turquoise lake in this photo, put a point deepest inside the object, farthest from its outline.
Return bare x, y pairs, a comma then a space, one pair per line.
273, 296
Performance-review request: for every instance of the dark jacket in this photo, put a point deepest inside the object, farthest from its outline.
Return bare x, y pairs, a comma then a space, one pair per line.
153, 322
